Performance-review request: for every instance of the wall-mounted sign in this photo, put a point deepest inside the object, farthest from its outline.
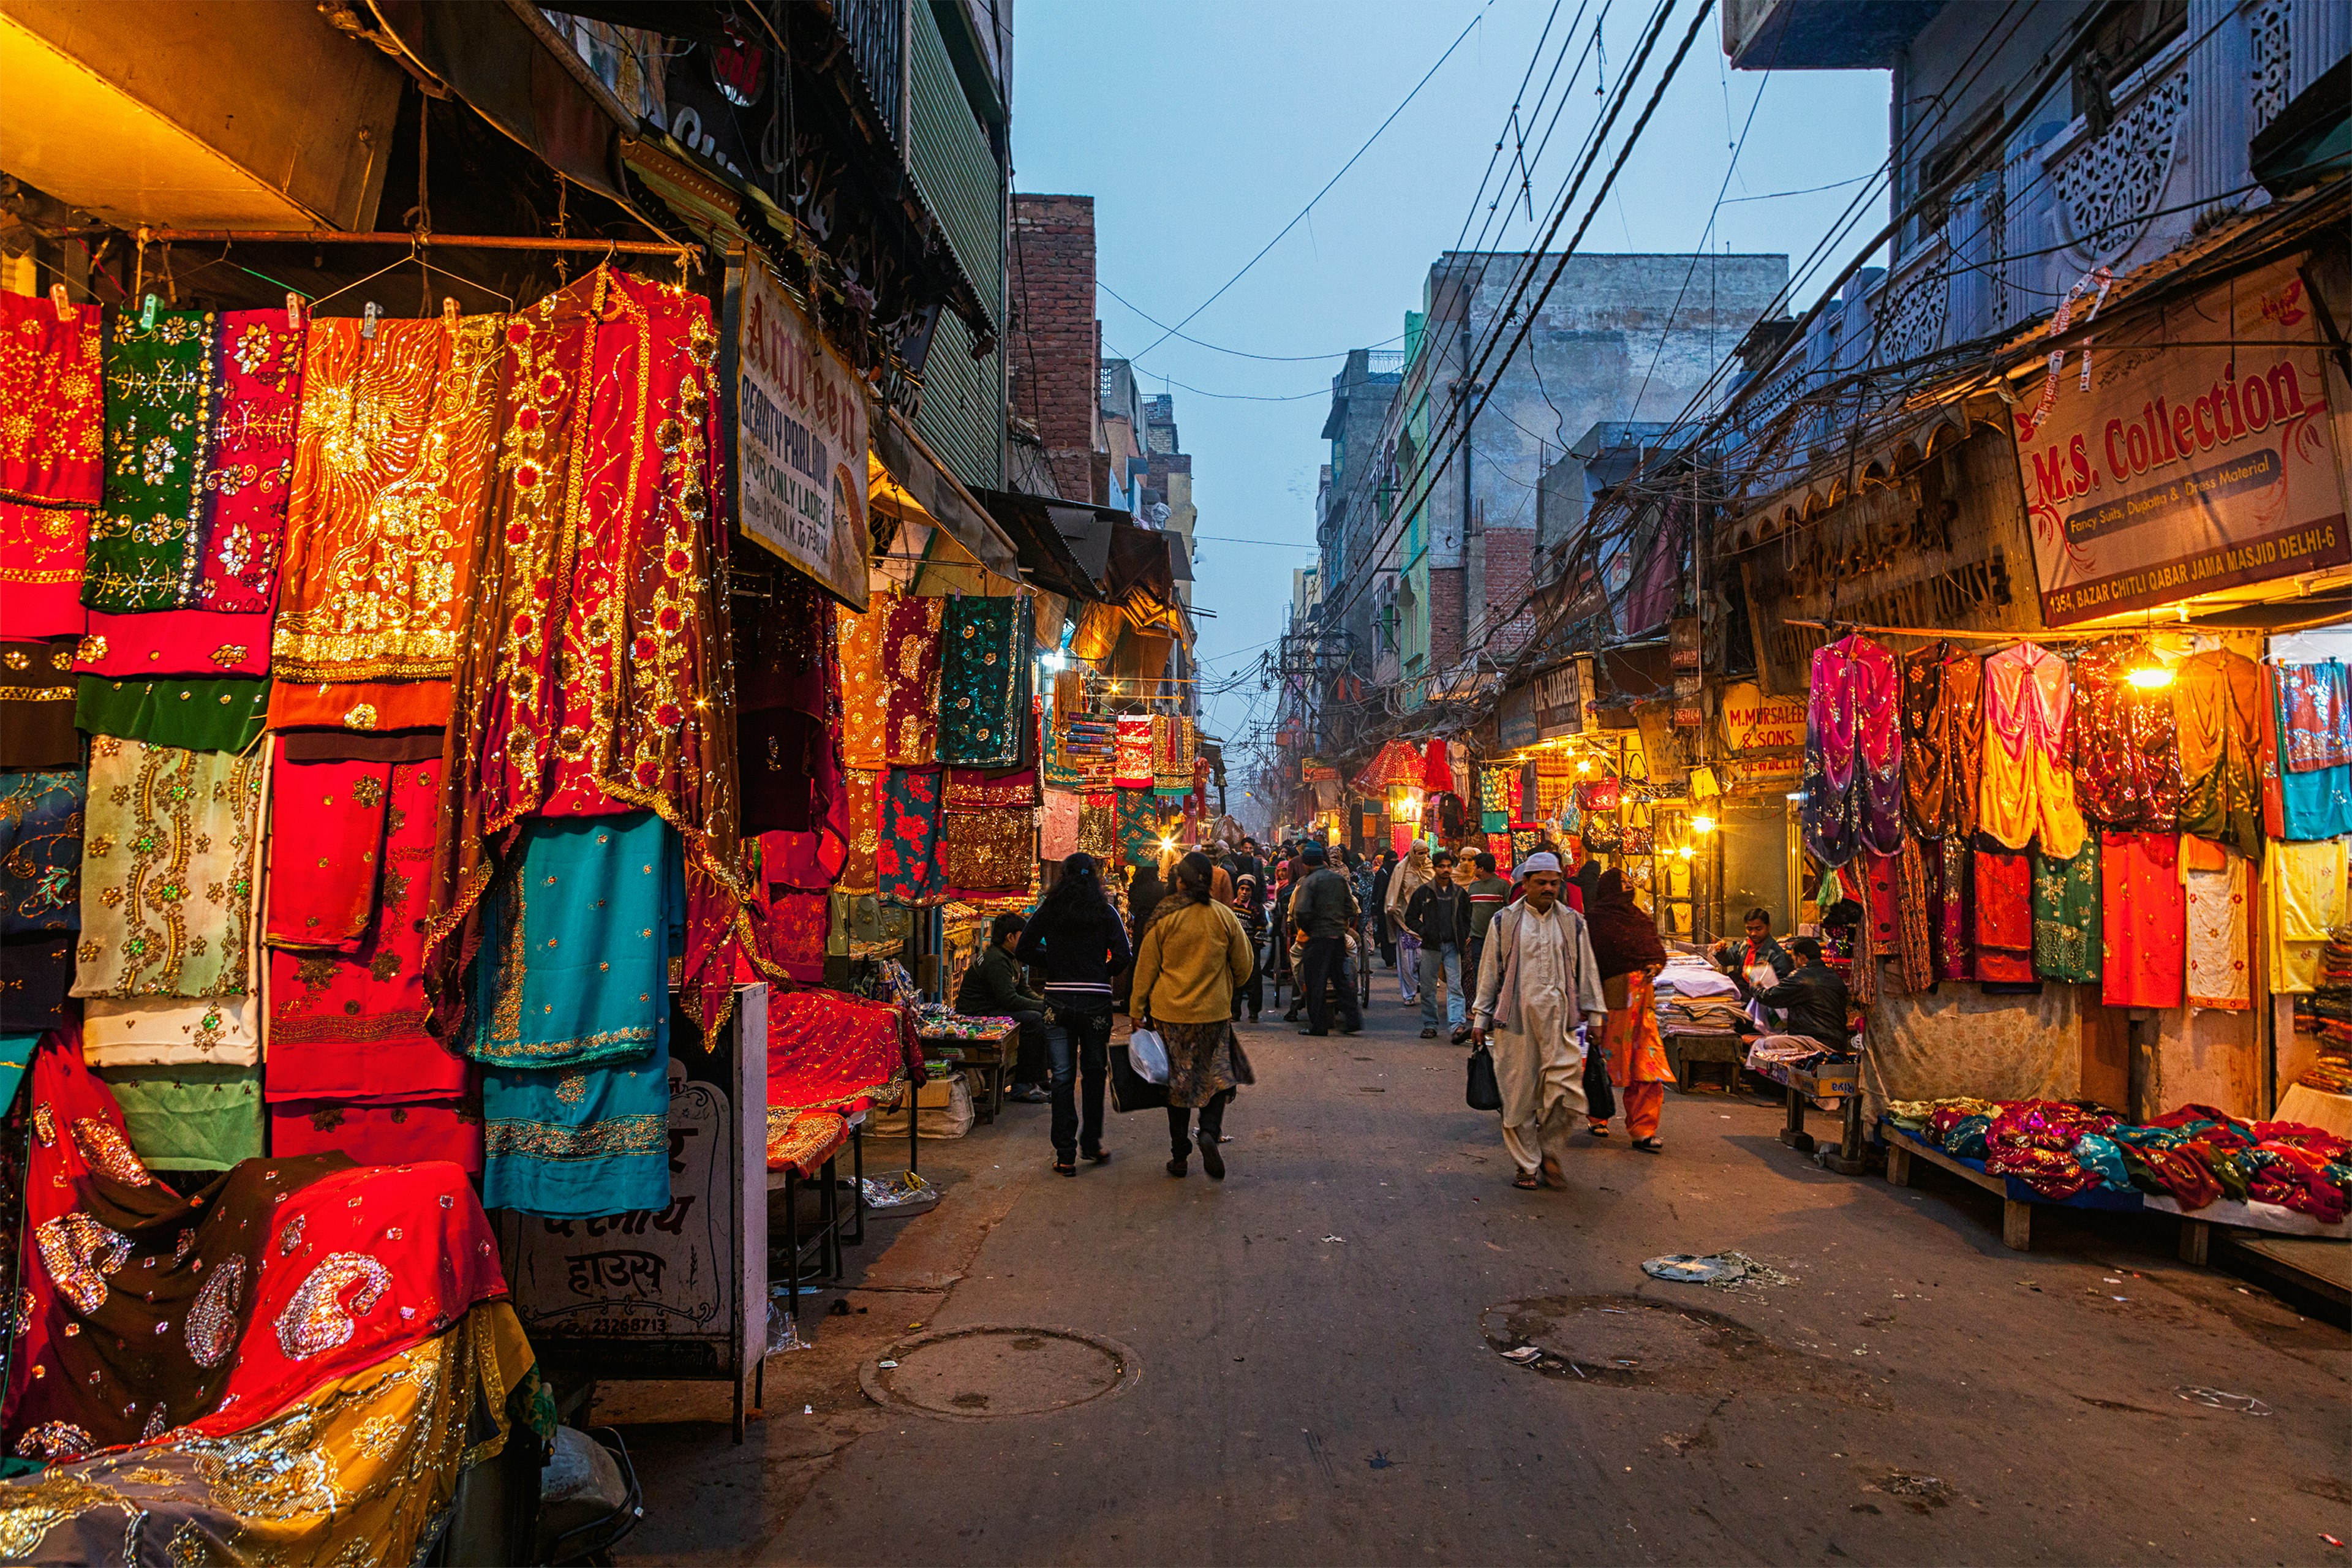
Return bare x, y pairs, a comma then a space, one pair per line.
1514, 719
1314, 770
1755, 722
1682, 642
1559, 696
2185, 469
799, 435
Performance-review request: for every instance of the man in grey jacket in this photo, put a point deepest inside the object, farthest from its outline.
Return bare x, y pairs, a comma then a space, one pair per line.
1323, 907
1537, 981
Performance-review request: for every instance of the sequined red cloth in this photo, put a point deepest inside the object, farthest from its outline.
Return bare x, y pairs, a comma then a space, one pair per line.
831, 1051
49, 385
143, 1312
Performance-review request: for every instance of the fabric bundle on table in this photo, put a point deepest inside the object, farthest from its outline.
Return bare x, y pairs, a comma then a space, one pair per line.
1853, 752
300, 1321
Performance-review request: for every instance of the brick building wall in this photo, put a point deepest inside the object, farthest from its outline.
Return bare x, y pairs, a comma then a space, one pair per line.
1506, 616
1052, 340
1446, 588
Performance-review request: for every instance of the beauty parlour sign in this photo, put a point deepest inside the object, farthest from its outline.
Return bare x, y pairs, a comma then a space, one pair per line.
2186, 468
799, 435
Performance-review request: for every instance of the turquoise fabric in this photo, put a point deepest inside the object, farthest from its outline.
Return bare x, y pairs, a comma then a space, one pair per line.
16, 1056
2314, 805
574, 979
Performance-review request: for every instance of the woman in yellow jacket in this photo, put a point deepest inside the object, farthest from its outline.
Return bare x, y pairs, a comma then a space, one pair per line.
1193, 953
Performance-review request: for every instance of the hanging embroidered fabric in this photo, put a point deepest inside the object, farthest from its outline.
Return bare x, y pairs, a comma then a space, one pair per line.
2143, 919
2126, 759
1915, 944
988, 854
2218, 899
1057, 838
225, 715
43, 551
910, 670
1853, 752
788, 710
159, 407
352, 1065
1139, 828
2066, 926
573, 1012
1098, 824
1943, 739
392, 468
2302, 900
1131, 764
37, 705
2004, 904
40, 894
2217, 702
865, 694
2313, 802
52, 382
168, 871
985, 680
2027, 791
216, 617
907, 863
828, 1051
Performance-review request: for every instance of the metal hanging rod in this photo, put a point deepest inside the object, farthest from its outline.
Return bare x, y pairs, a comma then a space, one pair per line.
391, 236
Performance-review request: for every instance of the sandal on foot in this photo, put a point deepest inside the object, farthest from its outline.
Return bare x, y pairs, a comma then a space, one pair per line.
1065, 1168
1528, 1181
1598, 1129
1650, 1145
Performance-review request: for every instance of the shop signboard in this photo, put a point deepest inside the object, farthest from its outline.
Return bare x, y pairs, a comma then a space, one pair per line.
1314, 770
1558, 697
679, 1292
1514, 719
1755, 722
799, 435
2196, 458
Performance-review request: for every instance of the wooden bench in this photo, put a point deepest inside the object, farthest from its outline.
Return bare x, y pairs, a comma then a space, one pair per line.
2016, 1217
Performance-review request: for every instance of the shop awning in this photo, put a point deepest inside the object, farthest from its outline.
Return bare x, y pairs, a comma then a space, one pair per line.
1047, 534
944, 500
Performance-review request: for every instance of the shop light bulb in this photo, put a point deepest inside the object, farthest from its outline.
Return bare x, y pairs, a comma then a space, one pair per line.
1686, 851
1584, 764
2150, 677
1701, 825
1168, 843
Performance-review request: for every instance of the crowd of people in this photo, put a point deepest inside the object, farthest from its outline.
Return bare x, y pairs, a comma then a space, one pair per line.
1551, 974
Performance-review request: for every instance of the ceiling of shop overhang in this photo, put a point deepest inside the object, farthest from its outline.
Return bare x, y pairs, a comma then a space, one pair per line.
237, 116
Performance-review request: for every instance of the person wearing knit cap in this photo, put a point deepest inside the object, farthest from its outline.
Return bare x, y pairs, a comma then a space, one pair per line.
1538, 980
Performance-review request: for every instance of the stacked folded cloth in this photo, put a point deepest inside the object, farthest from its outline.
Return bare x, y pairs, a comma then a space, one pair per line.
1703, 1016
2194, 1155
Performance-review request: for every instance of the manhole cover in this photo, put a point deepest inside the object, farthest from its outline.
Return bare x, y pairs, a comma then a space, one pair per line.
995, 1369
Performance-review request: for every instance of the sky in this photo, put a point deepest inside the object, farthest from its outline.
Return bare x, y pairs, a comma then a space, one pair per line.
1203, 127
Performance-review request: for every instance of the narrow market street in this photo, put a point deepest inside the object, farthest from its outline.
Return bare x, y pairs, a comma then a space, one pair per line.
1319, 1378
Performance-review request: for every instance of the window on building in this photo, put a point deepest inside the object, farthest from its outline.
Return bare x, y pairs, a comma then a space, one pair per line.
2124, 36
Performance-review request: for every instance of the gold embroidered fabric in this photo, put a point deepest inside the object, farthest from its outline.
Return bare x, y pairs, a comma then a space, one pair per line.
360, 1470
168, 871
160, 1032
391, 463
865, 695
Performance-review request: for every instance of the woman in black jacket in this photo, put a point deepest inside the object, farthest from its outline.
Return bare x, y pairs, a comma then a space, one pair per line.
1076, 942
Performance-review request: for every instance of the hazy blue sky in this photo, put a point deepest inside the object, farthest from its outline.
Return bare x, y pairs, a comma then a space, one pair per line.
1202, 127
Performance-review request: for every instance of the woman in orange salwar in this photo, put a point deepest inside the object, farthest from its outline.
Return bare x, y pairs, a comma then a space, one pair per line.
1629, 955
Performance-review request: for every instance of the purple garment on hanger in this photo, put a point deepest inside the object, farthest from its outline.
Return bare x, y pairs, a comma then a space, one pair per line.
1853, 752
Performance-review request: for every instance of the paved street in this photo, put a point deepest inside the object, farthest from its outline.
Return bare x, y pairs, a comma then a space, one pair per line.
1317, 1384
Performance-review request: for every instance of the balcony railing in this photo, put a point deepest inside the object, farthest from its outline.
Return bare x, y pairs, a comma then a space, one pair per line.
876, 32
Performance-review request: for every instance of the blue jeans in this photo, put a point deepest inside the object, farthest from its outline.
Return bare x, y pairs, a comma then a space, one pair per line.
1080, 1050
1441, 961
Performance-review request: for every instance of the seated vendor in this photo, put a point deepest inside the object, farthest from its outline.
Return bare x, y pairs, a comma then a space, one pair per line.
991, 989
1811, 1002
1758, 952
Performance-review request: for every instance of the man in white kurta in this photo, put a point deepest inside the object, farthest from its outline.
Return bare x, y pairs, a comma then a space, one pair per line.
1537, 981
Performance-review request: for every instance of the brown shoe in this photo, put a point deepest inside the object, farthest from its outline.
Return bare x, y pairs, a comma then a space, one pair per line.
1553, 1176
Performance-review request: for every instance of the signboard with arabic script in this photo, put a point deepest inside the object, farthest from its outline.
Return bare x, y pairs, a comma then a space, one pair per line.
799, 435
2188, 465
677, 1292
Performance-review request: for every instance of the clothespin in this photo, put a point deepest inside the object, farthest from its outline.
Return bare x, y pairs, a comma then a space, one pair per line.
449, 311
293, 312
367, 320
147, 315
58, 303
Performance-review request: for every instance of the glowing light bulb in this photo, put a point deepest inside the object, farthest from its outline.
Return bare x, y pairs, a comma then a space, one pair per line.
2151, 676
1583, 764
1686, 851
1701, 825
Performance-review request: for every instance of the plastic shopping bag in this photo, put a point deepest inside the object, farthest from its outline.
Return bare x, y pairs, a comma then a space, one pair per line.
1149, 1055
